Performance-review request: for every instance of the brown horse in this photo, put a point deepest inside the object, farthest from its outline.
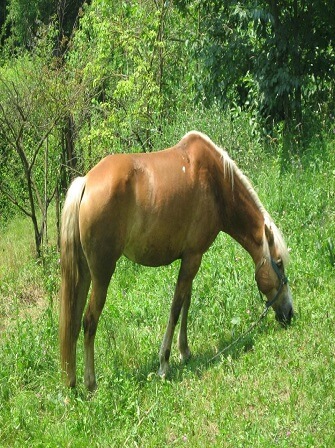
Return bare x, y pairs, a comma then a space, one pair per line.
155, 208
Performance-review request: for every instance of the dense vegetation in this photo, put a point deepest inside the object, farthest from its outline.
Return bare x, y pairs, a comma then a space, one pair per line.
80, 80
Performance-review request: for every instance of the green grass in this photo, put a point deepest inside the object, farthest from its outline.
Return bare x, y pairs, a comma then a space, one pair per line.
274, 389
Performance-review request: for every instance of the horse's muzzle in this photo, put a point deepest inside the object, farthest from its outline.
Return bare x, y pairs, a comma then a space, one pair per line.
285, 317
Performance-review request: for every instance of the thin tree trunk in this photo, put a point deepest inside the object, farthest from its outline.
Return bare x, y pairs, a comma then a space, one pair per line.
45, 211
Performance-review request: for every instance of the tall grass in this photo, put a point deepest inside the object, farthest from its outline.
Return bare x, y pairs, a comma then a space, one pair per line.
275, 388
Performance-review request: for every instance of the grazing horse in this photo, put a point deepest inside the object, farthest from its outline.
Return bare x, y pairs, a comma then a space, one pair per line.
155, 208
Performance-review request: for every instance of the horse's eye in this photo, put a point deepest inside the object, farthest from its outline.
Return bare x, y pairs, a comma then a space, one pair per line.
279, 263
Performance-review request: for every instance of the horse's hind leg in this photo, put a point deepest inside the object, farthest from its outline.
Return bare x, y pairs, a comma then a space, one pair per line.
91, 319
181, 300
71, 324
81, 301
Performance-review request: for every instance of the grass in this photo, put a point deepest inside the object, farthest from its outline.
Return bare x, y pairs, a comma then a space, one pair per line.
274, 389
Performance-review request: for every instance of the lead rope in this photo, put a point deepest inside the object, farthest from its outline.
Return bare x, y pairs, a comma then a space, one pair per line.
243, 335
283, 280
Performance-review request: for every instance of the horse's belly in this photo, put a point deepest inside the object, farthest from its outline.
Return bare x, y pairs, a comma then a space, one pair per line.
152, 252
158, 234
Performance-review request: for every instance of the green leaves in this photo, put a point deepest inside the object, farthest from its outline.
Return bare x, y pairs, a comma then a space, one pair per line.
134, 60
284, 48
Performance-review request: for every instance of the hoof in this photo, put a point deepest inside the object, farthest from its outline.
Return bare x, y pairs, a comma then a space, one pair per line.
184, 357
162, 371
91, 386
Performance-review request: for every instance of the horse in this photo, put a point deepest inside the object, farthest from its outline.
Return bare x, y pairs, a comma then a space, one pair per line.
155, 208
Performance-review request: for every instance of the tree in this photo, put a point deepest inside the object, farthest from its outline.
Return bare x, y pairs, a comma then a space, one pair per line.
131, 67
24, 18
21, 21
277, 57
34, 99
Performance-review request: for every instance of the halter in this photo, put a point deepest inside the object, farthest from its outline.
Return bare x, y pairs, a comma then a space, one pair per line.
283, 280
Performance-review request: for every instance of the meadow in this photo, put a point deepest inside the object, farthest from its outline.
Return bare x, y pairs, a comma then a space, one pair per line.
275, 388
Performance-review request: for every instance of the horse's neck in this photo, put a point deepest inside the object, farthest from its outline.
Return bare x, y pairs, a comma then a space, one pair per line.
242, 217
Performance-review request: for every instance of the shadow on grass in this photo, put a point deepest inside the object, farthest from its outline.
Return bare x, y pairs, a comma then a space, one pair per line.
201, 362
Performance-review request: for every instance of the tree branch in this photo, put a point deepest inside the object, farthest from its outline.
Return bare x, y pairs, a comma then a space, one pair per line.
40, 143
14, 201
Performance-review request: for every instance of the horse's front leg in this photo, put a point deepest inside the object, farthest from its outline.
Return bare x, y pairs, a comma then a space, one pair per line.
164, 354
185, 352
182, 297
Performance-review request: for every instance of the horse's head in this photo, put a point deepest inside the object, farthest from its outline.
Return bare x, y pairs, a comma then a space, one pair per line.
270, 275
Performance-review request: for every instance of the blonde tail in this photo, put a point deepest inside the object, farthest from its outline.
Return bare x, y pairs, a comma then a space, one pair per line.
71, 308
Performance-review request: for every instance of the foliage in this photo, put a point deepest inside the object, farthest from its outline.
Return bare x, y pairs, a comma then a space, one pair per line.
23, 20
275, 57
131, 68
35, 100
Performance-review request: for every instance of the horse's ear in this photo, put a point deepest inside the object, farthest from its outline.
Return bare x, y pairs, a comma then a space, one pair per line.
269, 234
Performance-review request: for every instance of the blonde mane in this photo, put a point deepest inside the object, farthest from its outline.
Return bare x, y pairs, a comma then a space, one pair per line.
232, 170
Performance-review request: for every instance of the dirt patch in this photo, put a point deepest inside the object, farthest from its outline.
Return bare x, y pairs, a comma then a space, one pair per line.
29, 302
